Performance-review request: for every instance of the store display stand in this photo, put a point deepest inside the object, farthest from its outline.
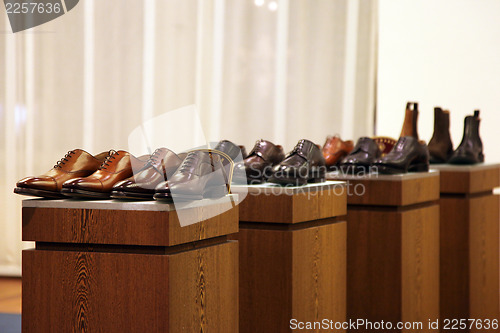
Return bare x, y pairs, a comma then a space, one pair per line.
469, 242
109, 266
393, 247
292, 255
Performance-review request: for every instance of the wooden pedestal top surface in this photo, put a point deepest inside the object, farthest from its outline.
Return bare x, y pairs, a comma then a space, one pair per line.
270, 203
144, 223
468, 179
390, 190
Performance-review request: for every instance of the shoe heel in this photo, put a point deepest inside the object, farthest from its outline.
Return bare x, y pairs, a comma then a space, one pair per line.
481, 158
419, 167
316, 177
215, 192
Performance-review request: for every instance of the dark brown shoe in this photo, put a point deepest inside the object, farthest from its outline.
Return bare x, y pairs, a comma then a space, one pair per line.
335, 150
118, 165
408, 155
361, 158
305, 163
201, 175
76, 163
470, 150
440, 146
160, 167
258, 165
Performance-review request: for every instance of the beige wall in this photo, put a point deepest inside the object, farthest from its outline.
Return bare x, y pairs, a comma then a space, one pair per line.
440, 53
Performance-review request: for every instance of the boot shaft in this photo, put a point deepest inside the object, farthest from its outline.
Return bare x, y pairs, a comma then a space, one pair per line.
471, 129
410, 121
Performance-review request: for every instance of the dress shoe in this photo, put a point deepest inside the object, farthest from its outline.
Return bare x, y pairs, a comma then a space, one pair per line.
470, 150
305, 163
408, 154
118, 165
234, 152
335, 150
361, 157
76, 163
410, 121
161, 166
440, 146
201, 175
258, 165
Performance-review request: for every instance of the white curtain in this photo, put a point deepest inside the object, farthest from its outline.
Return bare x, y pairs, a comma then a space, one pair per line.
279, 70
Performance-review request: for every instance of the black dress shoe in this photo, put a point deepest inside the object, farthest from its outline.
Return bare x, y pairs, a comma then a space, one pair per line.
364, 154
257, 166
305, 163
407, 155
201, 175
161, 166
470, 150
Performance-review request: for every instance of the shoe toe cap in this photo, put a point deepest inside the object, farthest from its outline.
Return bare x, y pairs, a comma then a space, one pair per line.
39, 182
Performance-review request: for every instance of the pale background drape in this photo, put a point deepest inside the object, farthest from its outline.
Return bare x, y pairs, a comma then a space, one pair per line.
279, 70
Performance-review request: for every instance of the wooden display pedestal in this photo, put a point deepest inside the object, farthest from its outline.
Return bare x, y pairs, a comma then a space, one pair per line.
392, 248
292, 256
108, 266
469, 242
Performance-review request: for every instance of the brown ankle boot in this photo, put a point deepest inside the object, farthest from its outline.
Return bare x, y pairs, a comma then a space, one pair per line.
410, 122
440, 146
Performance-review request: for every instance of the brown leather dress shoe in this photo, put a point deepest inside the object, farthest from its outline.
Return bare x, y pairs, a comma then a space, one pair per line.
258, 164
305, 163
161, 166
335, 150
76, 163
118, 166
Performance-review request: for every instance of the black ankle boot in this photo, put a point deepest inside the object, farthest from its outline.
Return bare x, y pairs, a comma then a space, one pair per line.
470, 150
440, 146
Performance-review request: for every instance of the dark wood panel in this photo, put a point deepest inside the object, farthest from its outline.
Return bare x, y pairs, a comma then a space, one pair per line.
147, 228
296, 208
288, 274
470, 181
194, 291
396, 192
393, 264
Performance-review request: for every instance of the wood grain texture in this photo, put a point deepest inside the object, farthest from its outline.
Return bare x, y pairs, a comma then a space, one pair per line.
296, 208
194, 291
393, 264
291, 274
470, 181
147, 228
392, 192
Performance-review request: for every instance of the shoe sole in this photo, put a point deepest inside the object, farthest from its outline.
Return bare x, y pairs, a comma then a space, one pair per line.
214, 192
38, 193
388, 170
466, 160
131, 195
298, 181
77, 193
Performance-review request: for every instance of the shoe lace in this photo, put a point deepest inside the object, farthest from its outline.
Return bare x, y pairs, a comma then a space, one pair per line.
188, 162
111, 155
298, 147
65, 159
154, 157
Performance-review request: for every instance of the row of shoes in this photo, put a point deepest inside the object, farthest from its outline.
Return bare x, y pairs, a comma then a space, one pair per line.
198, 174
409, 154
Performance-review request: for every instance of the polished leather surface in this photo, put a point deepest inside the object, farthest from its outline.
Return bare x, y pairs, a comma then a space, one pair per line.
470, 150
118, 166
441, 146
335, 150
258, 164
76, 163
362, 156
408, 154
199, 173
230, 149
161, 166
304, 163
